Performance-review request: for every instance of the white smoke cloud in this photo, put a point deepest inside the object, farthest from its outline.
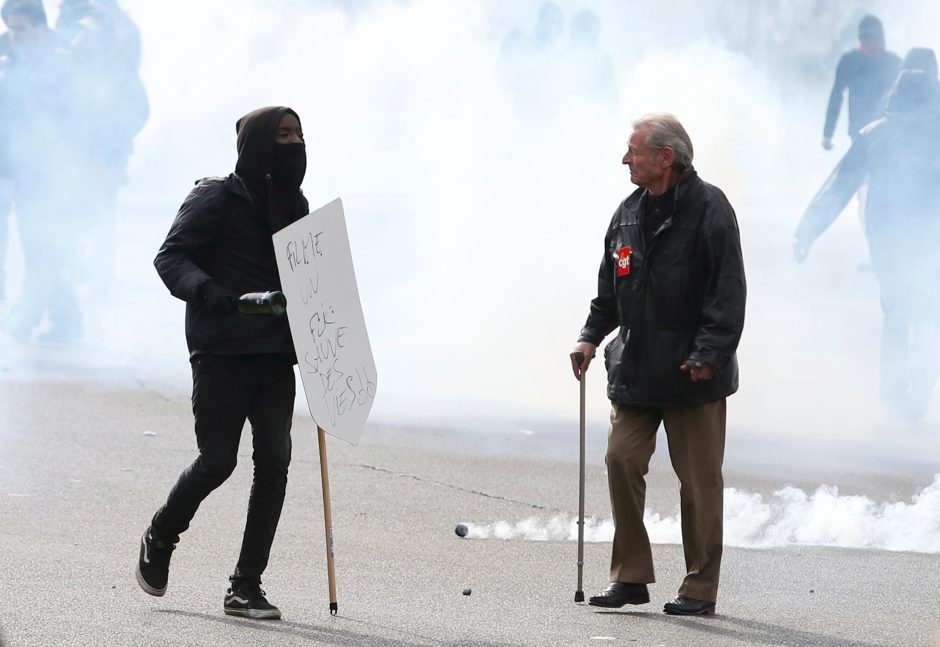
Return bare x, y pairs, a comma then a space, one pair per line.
790, 516
478, 183
479, 180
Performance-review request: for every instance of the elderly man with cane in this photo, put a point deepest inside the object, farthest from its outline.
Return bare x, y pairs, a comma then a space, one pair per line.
672, 280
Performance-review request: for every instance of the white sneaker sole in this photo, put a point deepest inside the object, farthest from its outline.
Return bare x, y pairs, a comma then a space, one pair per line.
146, 587
256, 614
140, 578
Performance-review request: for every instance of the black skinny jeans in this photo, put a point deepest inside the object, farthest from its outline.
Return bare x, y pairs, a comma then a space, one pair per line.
227, 390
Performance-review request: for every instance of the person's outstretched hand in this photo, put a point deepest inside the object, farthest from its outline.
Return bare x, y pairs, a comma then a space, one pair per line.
800, 250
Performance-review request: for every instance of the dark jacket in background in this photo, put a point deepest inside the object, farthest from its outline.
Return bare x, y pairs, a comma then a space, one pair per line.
683, 299
38, 124
897, 156
222, 234
868, 80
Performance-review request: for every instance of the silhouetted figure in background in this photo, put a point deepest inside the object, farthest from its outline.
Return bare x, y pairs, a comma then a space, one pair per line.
585, 28
6, 168
590, 69
71, 104
898, 155
102, 26
113, 108
4, 13
867, 74
549, 27
531, 59
37, 102
6, 193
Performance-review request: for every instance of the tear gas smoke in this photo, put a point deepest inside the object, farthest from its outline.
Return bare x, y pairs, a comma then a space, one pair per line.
790, 516
477, 147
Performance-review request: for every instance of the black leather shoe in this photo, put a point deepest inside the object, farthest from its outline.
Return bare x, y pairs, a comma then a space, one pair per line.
618, 594
683, 606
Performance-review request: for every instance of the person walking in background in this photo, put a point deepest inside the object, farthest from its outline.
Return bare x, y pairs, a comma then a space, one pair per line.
218, 247
897, 155
37, 99
105, 44
71, 105
672, 280
6, 165
6, 191
867, 74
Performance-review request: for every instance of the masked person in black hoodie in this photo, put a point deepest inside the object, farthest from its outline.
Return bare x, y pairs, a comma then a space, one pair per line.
219, 247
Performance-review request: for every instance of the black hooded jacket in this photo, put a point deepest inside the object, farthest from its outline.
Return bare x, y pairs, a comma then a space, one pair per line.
677, 295
222, 234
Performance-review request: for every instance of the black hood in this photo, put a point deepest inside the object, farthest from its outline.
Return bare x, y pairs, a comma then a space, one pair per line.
256, 166
256, 132
921, 58
915, 92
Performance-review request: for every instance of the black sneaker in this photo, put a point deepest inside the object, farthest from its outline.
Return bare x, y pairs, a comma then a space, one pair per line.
246, 598
153, 565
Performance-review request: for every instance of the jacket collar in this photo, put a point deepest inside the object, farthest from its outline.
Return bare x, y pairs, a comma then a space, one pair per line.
686, 180
236, 184
681, 187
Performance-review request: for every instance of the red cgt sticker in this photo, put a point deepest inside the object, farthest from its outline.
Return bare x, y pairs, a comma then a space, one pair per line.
623, 260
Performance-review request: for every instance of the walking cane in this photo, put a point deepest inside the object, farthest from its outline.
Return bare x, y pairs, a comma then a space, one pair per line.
328, 521
579, 592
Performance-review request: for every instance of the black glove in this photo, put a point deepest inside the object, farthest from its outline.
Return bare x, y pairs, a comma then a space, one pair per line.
217, 299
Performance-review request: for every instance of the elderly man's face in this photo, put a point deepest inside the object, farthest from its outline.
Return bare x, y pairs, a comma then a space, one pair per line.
646, 165
24, 35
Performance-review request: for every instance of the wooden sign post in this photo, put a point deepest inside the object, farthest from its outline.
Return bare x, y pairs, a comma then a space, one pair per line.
334, 356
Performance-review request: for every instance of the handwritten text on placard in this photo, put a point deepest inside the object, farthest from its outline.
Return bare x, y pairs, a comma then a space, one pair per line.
326, 321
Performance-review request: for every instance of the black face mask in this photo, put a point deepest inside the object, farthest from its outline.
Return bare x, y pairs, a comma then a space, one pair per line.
289, 166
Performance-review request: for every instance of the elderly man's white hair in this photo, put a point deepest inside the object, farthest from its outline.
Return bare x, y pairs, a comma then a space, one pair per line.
665, 131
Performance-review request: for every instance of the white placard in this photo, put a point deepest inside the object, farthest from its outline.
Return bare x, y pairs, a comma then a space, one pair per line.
333, 351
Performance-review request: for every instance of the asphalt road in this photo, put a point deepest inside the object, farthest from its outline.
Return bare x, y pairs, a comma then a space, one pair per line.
80, 476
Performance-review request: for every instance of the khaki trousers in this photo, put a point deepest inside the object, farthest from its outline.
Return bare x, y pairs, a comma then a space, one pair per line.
696, 437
